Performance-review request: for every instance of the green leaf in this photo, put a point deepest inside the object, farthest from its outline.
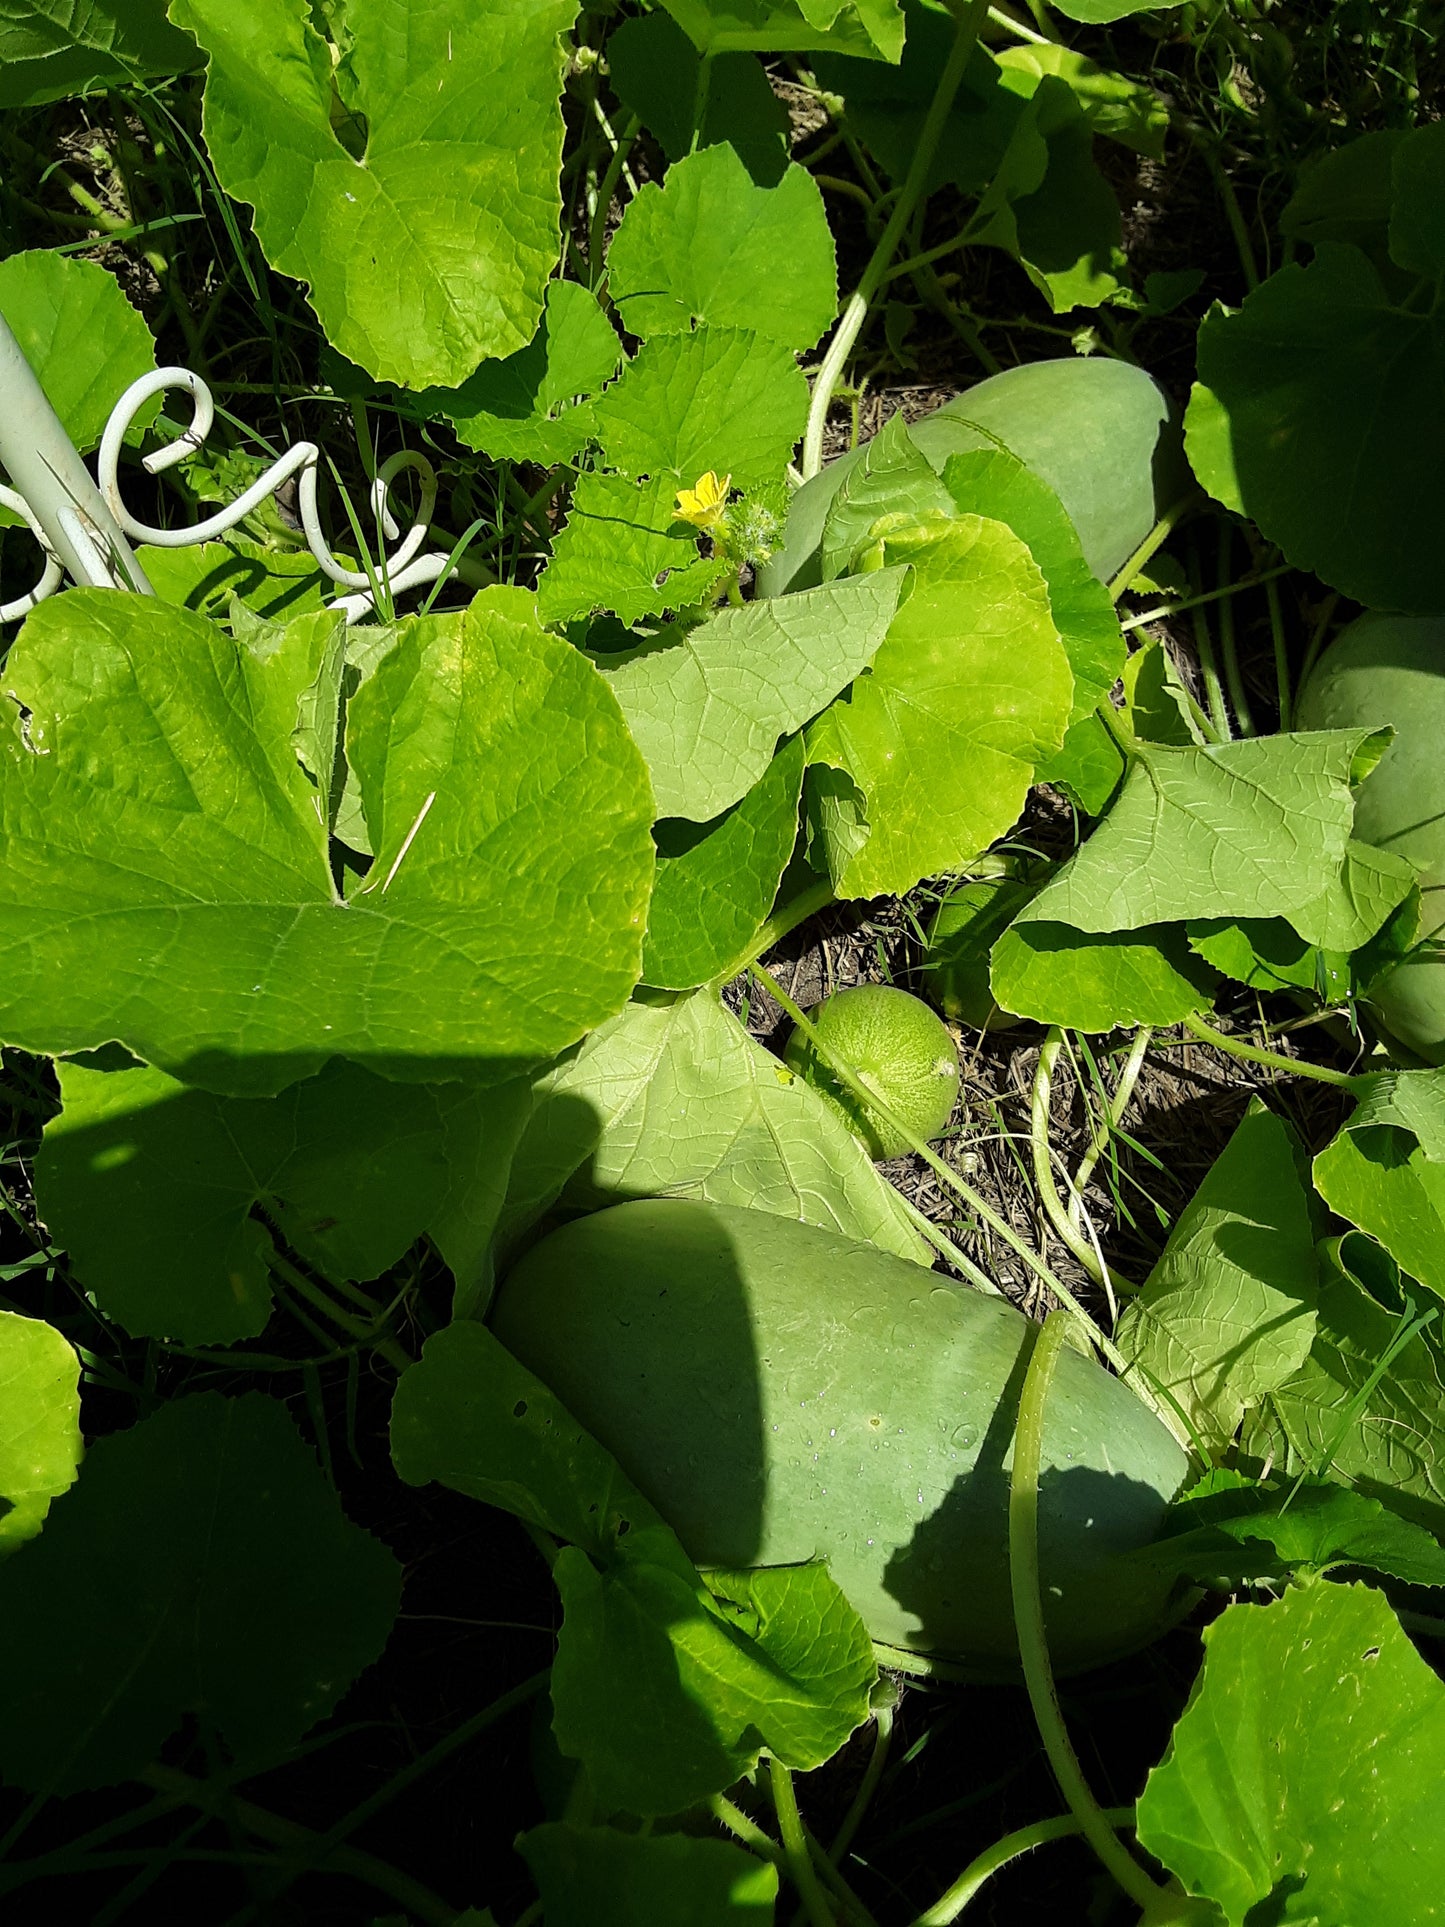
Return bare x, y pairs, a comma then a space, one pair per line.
275, 583
1101, 12
872, 28
624, 549
1255, 828
1057, 975
1228, 1312
166, 878
1267, 955
968, 694
885, 106
655, 70
1385, 1170
1323, 373
39, 1424
645, 1651
1050, 207
705, 247
409, 179
707, 712
50, 49
1125, 110
201, 1565
716, 882
605, 1128
892, 478
1417, 226
599, 1877
1233, 1530
351, 1169
1345, 195
79, 333
664, 1693
992, 482
1383, 1435
526, 408
719, 398
1302, 1782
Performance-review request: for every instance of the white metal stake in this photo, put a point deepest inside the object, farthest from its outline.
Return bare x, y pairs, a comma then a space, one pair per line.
47, 472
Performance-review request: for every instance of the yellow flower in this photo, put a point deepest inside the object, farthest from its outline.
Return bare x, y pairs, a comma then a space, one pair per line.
703, 506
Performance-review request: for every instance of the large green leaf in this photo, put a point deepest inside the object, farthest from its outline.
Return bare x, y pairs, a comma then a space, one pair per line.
1233, 1531
1050, 207
868, 27
892, 477
275, 583
53, 48
166, 878
601, 1877
709, 247
1228, 1312
1328, 372
1101, 12
409, 177
1249, 829
723, 399
153, 1187
79, 333
707, 712
654, 69
605, 1128
1385, 1171
1385, 1434
664, 1691
530, 407
969, 693
716, 882
39, 1424
202, 1564
624, 549
1127, 111
995, 483
1302, 1783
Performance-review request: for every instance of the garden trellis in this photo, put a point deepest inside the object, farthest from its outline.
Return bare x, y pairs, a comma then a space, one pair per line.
86, 530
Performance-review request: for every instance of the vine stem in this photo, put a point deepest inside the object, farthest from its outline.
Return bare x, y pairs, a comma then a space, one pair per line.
1160, 1906
1272, 1059
1114, 1110
1152, 543
1043, 1158
970, 20
993, 1859
847, 1076
801, 1870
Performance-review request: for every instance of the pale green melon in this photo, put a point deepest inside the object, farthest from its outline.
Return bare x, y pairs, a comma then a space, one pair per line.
898, 1048
781, 1394
1098, 431
1391, 670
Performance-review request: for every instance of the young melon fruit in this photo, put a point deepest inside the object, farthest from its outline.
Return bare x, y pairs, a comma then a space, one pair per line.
1098, 431
899, 1049
782, 1394
1391, 669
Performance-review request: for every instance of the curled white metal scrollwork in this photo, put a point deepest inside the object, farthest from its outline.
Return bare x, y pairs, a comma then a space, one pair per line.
405, 567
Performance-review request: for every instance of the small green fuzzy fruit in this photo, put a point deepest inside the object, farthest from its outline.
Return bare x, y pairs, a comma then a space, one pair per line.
966, 926
898, 1048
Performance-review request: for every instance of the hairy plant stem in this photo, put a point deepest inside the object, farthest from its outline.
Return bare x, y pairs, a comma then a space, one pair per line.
1160, 1906
970, 16
1271, 1059
1013, 1846
1043, 1161
427, 1906
370, 1331
1153, 542
877, 1760
801, 1871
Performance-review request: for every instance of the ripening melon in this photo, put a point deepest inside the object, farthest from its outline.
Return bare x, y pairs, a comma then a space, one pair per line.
782, 1394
